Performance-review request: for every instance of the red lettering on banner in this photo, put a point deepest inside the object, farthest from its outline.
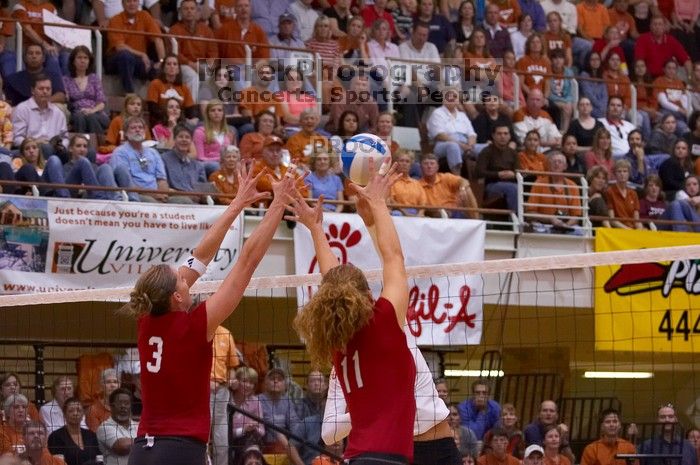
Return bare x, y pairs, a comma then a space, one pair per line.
420, 309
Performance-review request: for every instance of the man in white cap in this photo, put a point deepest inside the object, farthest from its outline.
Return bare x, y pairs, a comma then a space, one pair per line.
533, 455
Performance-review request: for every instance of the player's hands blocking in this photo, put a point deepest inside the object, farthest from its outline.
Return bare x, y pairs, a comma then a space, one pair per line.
248, 194
377, 189
286, 188
303, 213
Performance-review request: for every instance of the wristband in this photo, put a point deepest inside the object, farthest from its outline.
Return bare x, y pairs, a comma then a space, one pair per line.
195, 265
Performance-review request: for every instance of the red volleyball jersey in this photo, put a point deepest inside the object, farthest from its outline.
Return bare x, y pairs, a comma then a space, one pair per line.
377, 374
175, 359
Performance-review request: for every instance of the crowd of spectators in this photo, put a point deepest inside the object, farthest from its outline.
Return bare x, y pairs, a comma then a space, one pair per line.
200, 105
264, 412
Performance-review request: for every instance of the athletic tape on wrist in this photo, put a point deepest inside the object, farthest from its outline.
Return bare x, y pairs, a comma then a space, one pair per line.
195, 265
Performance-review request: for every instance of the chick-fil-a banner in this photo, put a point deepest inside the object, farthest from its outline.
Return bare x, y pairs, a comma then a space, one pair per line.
69, 244
442, 311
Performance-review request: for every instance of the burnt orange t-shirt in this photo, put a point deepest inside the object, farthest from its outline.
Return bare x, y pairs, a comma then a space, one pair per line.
159, 92
536, 162
624, 207
190, 50
254, 36
509, 11
27, 10
530, 68
554, 41
541, 198
255, 100
141, 22
7, 28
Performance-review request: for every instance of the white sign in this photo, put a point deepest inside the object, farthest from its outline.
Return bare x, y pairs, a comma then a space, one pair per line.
443, 311
68, 244
68, 37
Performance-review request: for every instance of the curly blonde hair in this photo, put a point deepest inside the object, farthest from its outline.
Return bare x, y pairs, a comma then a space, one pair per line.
341, 306
152, 292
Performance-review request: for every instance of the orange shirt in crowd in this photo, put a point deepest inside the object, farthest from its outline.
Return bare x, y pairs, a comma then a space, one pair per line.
7, 28
11, 440
561, 460
490, 459
257, 100
191, 50
535, 162
48, 459
531, 68
592, 20
25, 9
223, 186
251, 145
114, 131
623, 207
624, 22
554, 41
96, 414
619, 85
265, 185
541, 191
443, 192
159, 92
299, 142
509, 11
142, 22
602, 452
224, 355
226, 9
408, 191
235, 52
674, 89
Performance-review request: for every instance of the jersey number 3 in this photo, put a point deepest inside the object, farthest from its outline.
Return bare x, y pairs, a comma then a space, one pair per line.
358, 374
153, 365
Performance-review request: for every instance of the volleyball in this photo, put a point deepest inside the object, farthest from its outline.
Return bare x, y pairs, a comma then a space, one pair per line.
357, 152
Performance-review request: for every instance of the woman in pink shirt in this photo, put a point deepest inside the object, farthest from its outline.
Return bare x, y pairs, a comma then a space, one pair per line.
684, 17
214, 134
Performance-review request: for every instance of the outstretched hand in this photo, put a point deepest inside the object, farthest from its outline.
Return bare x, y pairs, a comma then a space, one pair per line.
247, 192
380, 182
303, 213
287, 187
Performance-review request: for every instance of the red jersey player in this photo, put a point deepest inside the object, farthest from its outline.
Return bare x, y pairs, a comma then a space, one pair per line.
363, 338
175, 344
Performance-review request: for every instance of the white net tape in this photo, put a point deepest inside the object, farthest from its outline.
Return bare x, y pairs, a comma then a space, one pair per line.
557, 262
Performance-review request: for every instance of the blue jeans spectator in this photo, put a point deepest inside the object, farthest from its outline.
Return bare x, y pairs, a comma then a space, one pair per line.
507, 189
128, 66
94, 123
451, 150
682, 210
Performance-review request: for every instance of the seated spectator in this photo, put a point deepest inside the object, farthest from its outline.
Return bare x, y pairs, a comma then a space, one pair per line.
278, 409
608, 44
534, 117
597, 179
99, 411
9, 384
214, 134
624, 21
508, 75
664, 137
322, 180
622, 200
184, 173
52, 412
617, 80
385, 129
272, 161
465, 24
646, 101
84, 93
441, 32
266, 14
535, 10
324, 45
574, 161
133, 106
548, 416
533, 66
595, 90
169, 85
310, 411
552, 445
671, 96
479, 413
585, 126
496, 165
259, 96
561, 94
668, 439
8, 58
403, 16
601, 151
652, 205
14, 409
497, 451
486, 120
657, 47
294, 100
304, 142
39, 118
556, 37
339, 16
347, 127
520, 36
610, 444
353, 45
30, 166
77, 445
356, 100
127, 53
509, 13
618, 128
105, 10
252, 143
31, 12
192, 50
225, 179
218, 86
144, 164
371, 13
18, 86
530, 159
242, 383
693, 138
379, 48
116, 435
286, 38
497, 36
464, 437
36, 451
593, 19
451, 131
510, 424
686, 207
446, 190
674, 170
477, 62
171, 116
443, 390
406, 191
640, 166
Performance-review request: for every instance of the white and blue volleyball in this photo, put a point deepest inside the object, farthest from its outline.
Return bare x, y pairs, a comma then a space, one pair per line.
356, 154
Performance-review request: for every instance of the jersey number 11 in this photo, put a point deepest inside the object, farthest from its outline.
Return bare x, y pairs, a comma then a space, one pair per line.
356, 367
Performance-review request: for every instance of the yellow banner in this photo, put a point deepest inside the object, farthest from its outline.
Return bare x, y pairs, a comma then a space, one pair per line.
649, 307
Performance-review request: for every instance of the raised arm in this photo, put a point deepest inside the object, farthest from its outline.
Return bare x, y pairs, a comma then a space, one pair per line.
372, 198
226, 298
206, 249
312, 218
336, 419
